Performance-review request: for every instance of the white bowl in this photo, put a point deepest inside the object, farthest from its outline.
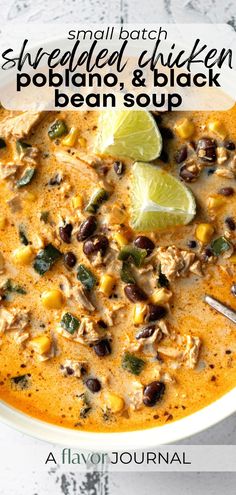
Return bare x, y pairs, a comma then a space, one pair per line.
133, 440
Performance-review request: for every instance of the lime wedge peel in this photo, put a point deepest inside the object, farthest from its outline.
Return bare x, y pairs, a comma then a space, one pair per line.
159, 200
132, 134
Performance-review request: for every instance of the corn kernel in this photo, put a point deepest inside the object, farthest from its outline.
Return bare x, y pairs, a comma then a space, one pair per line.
71, 138
218, 128
3, 222
41, 344
232, 259
184, 128
114, 402
82, 142
161, 296
204, 232
23, 255
215, 202
140, 310
77, 202
121, 239
107, 283
52, 299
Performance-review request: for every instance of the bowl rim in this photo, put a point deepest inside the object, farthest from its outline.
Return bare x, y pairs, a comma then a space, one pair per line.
117, 441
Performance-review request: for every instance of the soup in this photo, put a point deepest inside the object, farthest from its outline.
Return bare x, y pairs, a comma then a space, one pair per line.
103, 327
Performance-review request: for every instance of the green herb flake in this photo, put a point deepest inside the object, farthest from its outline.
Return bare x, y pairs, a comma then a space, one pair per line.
22, 236
20, 382
84, 412
21, 146
70, 323
86, 277
10, 287
132, 363
26, 177
162, 280
220, 245
44, 216
57, 129
134, 254
126, 274
98, 197
46, 258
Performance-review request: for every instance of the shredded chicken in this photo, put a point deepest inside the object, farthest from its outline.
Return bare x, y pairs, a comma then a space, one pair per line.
186, 352
87, 332
8, 170
175, 262
135, 396
76, 293
192, 350
82, 298
15, 321
222, 155
233, 165
85, 169
29, 154
15, 203
21, 125
225, 173
172, 352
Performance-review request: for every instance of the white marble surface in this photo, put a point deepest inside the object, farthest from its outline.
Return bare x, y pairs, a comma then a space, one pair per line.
15, 480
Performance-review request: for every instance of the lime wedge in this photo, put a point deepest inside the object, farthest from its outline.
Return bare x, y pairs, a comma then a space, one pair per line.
159, 200
133, 134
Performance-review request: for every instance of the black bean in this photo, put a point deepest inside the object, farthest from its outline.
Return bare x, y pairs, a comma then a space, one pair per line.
188, 175
102, 324
144, 242
134, 293
70, 259
65, 233
56, 180
166, 133
192, 244
69, 371
207, 254
226, 191
96, 244
102, 348
93, 384
230, 223
146, 332
152, 393
229, 145
87, 228
155, 312
119, 168
233, 289
206, 149
181, 154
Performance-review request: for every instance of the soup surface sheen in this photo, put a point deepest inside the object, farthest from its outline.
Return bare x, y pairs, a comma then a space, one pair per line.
69, 354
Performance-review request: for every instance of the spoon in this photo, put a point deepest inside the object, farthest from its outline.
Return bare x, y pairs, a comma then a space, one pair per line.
221, 308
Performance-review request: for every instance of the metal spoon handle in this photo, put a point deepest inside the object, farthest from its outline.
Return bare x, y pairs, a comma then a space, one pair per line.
221, 308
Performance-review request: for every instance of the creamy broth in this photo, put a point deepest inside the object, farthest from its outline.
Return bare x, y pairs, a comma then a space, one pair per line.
51, 385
